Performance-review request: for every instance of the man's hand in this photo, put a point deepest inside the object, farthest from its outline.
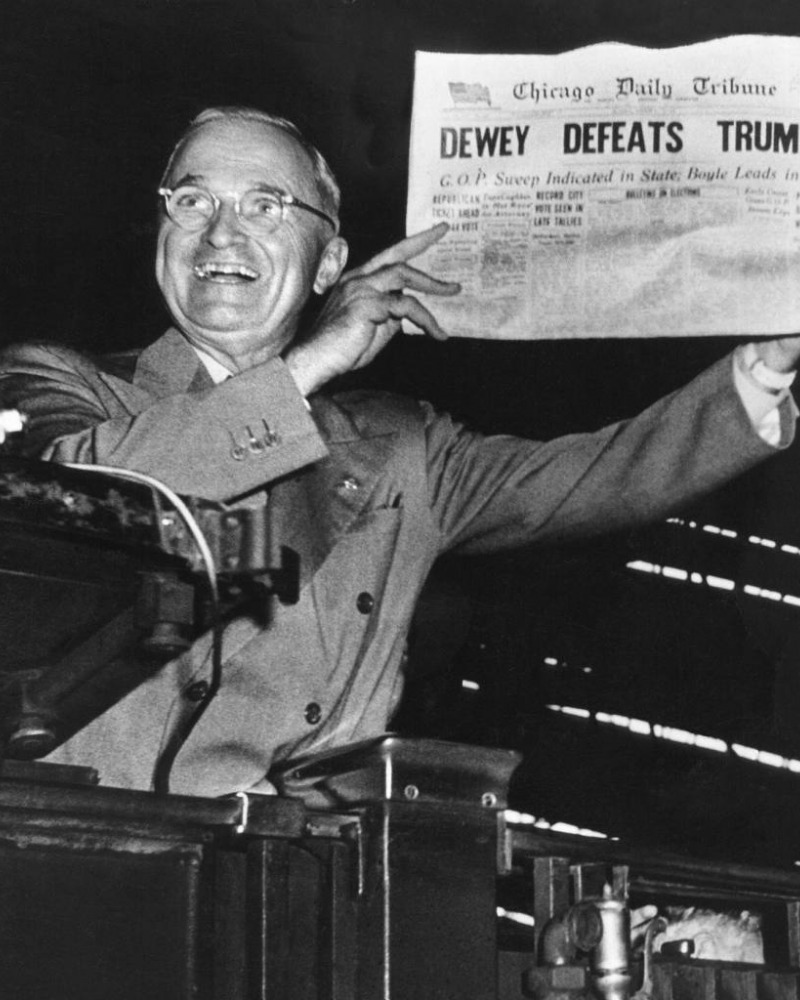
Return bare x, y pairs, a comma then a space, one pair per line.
781, 354
364, 311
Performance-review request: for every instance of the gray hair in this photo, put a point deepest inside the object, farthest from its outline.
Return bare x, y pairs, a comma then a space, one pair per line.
327, 185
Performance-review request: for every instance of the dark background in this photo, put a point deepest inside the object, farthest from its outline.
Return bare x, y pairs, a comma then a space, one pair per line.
92, 96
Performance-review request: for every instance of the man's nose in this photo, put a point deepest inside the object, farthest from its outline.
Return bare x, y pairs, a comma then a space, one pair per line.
225, 227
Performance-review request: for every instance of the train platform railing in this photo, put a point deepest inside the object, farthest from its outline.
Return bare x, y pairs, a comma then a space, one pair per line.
376, 874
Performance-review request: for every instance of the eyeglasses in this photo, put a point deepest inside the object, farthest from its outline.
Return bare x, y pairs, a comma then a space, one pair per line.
260, 211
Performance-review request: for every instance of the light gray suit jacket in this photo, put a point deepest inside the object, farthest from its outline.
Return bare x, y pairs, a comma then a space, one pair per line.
369, 489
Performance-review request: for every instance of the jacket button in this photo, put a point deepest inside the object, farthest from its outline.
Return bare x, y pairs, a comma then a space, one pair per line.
365, 602
313, 713
197, 691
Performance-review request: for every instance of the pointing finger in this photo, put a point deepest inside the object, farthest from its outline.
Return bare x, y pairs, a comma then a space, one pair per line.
407, 249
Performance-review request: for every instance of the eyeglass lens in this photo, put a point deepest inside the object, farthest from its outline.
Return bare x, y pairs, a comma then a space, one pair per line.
194, 207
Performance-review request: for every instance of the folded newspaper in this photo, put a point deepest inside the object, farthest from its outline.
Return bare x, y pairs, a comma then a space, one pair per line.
613, 191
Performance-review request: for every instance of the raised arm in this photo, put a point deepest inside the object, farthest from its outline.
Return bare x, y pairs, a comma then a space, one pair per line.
365, 310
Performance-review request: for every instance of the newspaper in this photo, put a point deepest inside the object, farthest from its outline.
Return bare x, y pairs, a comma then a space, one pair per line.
613, 191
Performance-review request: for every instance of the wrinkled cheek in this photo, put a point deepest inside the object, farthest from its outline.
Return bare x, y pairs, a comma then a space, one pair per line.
162, 252
173, 268
173, 254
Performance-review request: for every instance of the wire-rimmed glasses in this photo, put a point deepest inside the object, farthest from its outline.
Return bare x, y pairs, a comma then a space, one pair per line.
260, 210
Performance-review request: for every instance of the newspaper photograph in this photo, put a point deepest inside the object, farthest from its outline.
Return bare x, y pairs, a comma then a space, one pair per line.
612, 191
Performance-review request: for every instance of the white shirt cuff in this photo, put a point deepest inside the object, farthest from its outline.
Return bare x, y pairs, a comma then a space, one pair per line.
762, 401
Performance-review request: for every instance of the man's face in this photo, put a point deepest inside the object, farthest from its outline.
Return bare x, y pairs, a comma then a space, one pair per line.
236, 295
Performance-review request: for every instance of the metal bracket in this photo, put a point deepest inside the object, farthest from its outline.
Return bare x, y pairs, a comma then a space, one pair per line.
244, 815
345, 827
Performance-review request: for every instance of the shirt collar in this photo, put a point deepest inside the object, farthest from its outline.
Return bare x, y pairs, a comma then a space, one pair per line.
217, 371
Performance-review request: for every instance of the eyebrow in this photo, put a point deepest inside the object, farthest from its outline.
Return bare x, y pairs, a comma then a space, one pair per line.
187, 179
200, 178
263, 186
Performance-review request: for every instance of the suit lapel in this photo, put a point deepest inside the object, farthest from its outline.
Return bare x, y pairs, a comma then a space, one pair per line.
166, 367
169, 366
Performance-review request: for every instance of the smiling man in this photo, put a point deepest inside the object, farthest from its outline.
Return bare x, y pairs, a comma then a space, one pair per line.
367, 488
251, 232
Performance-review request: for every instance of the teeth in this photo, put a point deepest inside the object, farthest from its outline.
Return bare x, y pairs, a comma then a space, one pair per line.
206, 272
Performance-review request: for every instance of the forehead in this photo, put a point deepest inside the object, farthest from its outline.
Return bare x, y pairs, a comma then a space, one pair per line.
237, 155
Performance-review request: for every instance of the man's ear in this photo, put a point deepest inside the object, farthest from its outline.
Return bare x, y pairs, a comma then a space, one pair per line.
331, 264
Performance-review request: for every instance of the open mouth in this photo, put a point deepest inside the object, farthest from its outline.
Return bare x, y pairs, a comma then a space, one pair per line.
224, 273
